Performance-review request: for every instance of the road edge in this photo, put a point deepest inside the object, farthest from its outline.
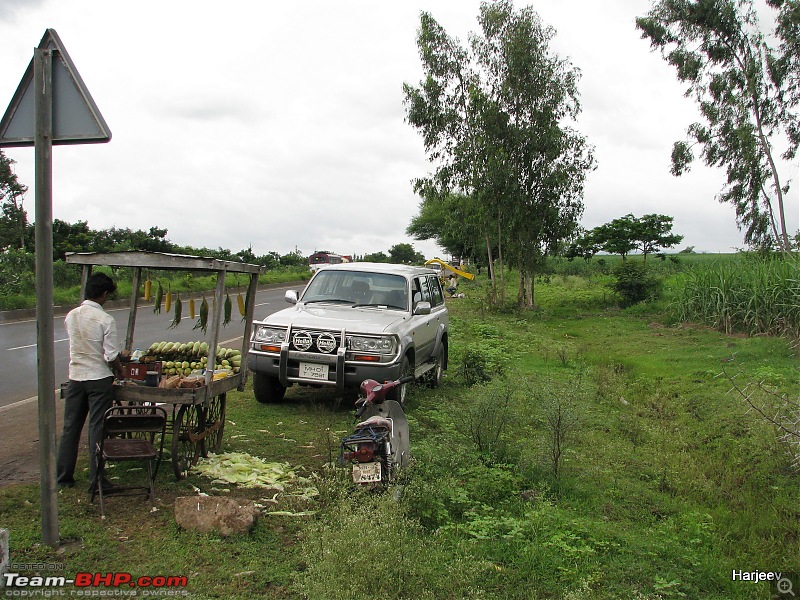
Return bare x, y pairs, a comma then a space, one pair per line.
26, 314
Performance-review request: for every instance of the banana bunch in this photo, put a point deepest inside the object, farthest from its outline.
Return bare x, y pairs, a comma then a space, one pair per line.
182, 358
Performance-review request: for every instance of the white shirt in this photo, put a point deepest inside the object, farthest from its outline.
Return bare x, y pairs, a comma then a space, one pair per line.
92, 342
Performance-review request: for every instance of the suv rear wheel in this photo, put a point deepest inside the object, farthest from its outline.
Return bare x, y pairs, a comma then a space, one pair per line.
267, 389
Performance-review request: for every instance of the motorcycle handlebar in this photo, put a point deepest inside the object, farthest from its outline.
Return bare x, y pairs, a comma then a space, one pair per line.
378, 395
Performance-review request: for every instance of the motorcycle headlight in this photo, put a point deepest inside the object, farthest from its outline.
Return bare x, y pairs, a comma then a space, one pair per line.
383, 345
264, 333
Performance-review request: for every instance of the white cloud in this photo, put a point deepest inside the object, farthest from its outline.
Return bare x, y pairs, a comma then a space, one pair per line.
281, 125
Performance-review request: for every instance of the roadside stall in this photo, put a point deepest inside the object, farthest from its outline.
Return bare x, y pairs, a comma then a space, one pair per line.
196, 401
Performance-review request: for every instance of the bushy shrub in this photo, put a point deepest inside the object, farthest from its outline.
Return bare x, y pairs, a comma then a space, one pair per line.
481, 364
65, 275
634, 283
16, 272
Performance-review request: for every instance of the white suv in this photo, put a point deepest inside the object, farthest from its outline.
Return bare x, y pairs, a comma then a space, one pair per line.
353, 321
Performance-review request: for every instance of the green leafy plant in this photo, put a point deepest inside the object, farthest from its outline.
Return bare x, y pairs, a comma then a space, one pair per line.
634, 283
481, 364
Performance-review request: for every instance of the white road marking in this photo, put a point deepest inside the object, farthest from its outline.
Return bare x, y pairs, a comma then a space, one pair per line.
26, 401
34, 345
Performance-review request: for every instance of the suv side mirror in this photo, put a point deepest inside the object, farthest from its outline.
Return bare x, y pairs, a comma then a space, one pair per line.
291, 296
422, 308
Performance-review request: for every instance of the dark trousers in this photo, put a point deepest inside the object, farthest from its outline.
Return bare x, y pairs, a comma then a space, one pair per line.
83, 398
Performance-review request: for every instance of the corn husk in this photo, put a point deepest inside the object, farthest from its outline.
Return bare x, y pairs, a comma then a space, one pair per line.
245, 470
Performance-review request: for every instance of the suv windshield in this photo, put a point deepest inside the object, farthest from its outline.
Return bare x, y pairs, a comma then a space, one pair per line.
359, 288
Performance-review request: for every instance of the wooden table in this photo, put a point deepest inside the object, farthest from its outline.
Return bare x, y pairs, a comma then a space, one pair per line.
196, 428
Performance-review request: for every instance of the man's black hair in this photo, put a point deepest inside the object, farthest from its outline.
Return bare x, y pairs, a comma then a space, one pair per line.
97, 284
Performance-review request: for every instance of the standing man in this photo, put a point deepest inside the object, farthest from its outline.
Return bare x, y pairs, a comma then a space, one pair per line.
93, 363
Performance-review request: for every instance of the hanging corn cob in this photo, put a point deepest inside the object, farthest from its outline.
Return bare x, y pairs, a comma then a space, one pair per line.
228, 306
168, 300
245, 305
192, 312
202, 321
178, 310
240, 302
159, 295
148, 288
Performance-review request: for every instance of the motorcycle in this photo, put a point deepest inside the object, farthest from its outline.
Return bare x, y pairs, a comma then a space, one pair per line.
379, 447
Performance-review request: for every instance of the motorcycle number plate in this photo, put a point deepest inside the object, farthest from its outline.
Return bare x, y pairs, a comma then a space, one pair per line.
314, 371
367, 472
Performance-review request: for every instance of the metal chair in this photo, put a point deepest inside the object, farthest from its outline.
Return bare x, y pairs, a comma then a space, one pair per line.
130, 435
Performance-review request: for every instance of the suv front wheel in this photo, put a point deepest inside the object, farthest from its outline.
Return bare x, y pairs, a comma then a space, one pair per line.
401, 392
435, 374
267, 389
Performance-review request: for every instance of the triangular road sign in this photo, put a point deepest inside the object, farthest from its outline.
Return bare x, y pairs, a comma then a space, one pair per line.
76, 119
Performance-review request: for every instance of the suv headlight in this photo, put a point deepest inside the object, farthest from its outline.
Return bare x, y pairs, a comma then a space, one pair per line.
382, 345
264, 333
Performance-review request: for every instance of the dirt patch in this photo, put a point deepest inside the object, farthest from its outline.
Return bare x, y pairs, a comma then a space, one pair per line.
19, 444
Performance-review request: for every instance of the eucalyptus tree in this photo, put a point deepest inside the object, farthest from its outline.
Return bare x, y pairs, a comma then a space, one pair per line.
13, 217
495, 118
539, 161
441, 108
747, 92
785, 64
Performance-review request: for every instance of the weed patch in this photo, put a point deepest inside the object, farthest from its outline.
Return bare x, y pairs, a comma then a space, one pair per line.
602, 457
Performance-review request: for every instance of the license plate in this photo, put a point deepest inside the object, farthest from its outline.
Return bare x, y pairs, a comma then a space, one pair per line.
314, 371
367, 472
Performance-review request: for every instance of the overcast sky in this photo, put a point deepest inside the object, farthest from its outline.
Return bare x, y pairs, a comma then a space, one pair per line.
281, 125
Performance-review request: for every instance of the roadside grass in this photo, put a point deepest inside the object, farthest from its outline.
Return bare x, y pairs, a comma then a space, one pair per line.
665, 484
67, 287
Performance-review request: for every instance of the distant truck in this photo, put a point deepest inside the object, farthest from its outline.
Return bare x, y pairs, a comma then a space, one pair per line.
323, 259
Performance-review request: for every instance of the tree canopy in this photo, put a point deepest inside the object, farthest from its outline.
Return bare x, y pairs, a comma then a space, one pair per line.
648, 234
747, 92
405, 254
495, 117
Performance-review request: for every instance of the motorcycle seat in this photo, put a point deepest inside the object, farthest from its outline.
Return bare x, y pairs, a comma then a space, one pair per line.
375, 421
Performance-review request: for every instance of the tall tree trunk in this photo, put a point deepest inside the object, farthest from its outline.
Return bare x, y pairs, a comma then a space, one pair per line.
781, 236
500, 259
529, 288
491, 268
521, 290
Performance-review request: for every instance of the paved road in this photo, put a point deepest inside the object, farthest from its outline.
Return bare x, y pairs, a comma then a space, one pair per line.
18, 341
19, 433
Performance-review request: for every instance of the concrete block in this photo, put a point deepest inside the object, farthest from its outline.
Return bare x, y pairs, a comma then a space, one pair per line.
4, 555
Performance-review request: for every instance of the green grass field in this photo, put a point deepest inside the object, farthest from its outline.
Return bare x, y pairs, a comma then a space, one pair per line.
599, 453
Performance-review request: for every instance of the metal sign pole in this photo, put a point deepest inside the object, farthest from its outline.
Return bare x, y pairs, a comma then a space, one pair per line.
29, 121
43, 125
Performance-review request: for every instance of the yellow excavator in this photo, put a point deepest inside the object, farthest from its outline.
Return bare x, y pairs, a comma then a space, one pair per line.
443, 265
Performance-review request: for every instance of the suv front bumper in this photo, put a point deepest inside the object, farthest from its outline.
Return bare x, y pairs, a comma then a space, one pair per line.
342, 373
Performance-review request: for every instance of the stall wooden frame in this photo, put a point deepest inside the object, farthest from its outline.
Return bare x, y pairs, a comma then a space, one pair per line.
198, 415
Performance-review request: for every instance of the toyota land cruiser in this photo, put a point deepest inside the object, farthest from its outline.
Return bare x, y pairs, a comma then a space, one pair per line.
353, 321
